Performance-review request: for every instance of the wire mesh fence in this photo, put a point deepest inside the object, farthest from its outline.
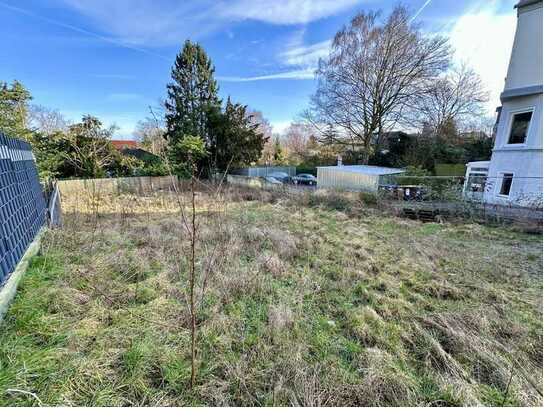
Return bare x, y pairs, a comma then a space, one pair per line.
22, 204
503, 197
477, 197
52, 203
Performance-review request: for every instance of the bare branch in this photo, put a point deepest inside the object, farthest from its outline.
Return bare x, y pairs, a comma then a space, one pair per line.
375, 69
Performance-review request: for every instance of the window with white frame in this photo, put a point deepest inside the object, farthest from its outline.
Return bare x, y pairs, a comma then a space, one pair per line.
477, 181
507, 183
520, 124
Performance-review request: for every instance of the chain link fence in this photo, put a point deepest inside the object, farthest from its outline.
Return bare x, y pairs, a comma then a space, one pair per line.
505, 197
22, 204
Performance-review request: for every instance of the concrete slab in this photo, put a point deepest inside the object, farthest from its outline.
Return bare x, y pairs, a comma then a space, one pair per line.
8, 291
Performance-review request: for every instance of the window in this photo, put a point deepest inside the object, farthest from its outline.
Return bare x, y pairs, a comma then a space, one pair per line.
507, 182
519, 127
477, 182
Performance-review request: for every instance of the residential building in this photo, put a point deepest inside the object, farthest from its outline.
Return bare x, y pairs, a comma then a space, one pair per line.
515, 171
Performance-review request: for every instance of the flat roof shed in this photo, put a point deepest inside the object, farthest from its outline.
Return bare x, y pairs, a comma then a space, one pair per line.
355, 177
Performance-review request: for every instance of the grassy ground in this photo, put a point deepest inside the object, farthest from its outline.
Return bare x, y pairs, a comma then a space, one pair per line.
305, 305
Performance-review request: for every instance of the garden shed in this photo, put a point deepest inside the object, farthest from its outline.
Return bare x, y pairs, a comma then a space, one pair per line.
355, 177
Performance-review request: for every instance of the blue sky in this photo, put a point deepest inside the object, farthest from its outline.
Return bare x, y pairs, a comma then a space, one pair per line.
112, 58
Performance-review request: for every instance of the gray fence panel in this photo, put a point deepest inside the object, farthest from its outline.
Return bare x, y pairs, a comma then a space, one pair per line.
264, 171
22, 204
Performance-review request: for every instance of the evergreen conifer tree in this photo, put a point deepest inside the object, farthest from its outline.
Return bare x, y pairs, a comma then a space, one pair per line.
192, 92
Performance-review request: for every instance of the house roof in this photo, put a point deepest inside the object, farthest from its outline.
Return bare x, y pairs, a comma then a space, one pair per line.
478, 164
366, 169
122, 144
525, 3
140, 154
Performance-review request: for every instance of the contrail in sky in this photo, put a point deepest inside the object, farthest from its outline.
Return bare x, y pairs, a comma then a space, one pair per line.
81, 31
421, 10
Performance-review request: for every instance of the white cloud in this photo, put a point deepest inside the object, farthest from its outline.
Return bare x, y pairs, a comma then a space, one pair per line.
420, 10
150, 22
483, 39
302, 74
284, 12
306, 55
280, 127
168, 22
296, 61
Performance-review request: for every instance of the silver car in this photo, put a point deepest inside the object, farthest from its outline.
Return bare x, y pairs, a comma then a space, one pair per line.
272, 180
280, 176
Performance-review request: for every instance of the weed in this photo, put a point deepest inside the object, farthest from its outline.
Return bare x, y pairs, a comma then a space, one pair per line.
302, 307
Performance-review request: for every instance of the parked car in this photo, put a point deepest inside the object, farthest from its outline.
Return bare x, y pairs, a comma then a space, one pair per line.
304, 179
272, 180
280, 176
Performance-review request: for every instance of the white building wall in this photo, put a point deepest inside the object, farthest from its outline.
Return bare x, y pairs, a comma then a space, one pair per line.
524, 161
534, 138
523, 91
527, 56
527, 170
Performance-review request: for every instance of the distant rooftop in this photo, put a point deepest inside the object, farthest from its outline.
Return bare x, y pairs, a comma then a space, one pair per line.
367, 169
123, 144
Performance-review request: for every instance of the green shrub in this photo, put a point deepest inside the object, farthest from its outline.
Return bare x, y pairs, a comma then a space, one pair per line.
368, 198
330, 199
450, 170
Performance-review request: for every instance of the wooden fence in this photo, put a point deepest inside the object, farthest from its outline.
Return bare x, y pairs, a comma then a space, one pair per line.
137, 185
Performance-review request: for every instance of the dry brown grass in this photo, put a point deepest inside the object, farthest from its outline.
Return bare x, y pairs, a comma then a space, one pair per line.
306, 306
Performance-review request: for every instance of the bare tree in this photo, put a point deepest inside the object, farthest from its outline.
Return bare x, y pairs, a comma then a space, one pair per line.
298, 140
482, 125
46, 120
151, 135
268, 152
264, 127
374, 71
457, 97
257, 118
203, 257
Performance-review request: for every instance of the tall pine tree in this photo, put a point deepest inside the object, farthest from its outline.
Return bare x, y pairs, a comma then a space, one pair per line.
192, 92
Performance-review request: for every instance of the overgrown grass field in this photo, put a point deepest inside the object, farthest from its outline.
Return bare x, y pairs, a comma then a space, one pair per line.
308, 301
